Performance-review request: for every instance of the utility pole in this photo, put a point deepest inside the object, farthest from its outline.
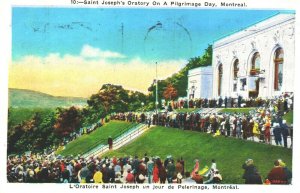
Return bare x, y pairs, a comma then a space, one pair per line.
156, 97
122, 31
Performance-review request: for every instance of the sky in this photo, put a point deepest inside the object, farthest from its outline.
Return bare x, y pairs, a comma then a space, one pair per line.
73, 51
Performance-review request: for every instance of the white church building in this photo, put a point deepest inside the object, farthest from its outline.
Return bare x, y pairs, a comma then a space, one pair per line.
258, 61
200, 82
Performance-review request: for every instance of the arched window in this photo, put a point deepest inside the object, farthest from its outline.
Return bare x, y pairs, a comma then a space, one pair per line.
235, 74
278, 69
255, 64
220, 75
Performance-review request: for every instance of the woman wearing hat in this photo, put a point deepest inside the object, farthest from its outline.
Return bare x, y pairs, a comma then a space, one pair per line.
251, 174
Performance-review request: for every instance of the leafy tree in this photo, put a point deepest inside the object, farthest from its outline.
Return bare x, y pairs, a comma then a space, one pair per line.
34, 134
110, 97
180, 79
114, 98
137, 101
170, 92
45, 136
91, 115
68, 121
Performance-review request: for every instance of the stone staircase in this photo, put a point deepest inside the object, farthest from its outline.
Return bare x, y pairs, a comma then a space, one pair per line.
120, 141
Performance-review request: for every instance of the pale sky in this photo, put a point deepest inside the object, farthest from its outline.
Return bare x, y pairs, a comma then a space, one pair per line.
72, 52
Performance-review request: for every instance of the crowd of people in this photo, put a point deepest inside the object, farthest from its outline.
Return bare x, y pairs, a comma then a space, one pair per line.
266, 122
284, 101
259, 124
263, 122
148, 169
128, 169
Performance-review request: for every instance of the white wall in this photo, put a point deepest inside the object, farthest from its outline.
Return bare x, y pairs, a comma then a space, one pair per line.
202, 79
263, 37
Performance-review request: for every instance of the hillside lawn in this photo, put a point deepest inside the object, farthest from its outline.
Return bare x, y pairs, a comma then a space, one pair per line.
229, 153
289, 117
99, 136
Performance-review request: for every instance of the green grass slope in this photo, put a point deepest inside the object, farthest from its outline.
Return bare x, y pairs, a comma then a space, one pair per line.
33, 99
229, 153
289, 117
86, 142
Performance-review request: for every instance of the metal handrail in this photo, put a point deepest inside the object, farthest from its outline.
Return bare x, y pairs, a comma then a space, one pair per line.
103, 141
131, 135
102, 147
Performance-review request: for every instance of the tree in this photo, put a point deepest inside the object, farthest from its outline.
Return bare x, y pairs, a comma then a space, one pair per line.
68, 121
170, 92
136, 99
109, 98
34, 134
44, 135
179, 80
114, 98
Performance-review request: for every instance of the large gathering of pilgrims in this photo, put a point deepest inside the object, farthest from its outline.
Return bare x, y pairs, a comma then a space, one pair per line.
261, 123
37, 168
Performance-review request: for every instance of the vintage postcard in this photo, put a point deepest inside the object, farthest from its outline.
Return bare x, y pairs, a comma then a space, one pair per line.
149, 95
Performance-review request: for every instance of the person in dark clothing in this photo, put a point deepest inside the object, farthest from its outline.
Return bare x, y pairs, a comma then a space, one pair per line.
110, 142
146, 159
170, 171
251, 174
284, 132
244, 128
205, 103
277, 133
105, 174
255, 179
43, 175
214, 125
111, 174
182, 163
135, 166
239, 101
220, 102
65, 176
227, 127
162, 174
